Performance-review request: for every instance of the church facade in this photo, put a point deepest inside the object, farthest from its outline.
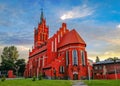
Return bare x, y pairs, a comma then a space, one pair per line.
61, 56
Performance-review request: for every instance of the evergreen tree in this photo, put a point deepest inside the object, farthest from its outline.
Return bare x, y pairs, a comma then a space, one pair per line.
97, 59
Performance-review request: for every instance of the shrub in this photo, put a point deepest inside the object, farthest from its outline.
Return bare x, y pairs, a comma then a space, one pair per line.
40, 77
34, 78
3, 78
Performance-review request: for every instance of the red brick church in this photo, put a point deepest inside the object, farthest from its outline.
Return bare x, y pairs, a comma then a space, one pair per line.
61, 56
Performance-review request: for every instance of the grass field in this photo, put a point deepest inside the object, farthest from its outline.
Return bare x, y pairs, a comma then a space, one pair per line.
29, 82
103, 83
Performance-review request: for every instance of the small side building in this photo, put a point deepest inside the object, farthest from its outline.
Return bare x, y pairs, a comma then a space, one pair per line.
106, 69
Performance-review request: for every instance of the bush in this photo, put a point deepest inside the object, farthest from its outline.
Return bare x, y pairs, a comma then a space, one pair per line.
40, 77
34, 78
3, 78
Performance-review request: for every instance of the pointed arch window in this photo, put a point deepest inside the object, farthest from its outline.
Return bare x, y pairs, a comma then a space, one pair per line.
83, 57
74, 57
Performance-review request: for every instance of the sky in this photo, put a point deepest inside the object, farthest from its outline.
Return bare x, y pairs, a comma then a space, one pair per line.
97, 22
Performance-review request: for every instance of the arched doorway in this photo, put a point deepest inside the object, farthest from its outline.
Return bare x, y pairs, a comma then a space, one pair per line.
75, 76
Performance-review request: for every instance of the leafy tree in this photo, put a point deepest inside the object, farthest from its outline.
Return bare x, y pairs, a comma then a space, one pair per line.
7, 65
97, 59
112, 59
9, 57
10, 53
21, 64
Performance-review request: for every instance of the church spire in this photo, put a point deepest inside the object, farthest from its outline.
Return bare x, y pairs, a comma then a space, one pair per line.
42, 16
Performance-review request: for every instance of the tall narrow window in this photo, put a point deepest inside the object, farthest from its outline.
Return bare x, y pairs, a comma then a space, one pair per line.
40, 36
61, 69
43, 61
58, 38
67, 58
61, 34
83, 57
64, 29
52, 46
74, 57
38, 62
55, 45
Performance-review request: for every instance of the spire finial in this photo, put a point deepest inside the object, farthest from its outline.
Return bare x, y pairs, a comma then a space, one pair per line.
42, 16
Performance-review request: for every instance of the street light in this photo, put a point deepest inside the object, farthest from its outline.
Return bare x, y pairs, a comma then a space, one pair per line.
17, 68
89, 72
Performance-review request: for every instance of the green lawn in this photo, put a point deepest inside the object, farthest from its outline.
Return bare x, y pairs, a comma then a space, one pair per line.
103, 83
29, 82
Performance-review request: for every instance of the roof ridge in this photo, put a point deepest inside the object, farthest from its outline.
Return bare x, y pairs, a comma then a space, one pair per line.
70, 38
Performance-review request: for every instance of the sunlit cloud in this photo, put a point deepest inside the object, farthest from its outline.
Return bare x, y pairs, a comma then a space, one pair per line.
23, 48
78, 12
118, 26
102, 40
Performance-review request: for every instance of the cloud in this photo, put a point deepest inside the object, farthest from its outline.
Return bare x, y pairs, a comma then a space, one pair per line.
118, 26
115, 12
17, 38
78, 12
102, 40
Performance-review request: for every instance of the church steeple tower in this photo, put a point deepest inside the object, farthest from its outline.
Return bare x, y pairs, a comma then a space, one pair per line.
41, 33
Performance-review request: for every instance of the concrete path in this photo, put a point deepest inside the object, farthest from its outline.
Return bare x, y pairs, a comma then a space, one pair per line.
79, 83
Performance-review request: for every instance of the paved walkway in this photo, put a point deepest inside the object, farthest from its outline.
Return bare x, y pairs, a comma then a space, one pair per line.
79, 83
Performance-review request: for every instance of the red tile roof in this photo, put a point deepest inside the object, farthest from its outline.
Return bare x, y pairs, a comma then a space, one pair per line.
70, 38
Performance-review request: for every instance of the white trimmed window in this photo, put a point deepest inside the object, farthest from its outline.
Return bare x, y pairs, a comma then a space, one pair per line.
74, 57
83, 57
62, 69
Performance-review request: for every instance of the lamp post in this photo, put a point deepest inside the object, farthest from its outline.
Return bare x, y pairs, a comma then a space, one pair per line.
17, 68
88, 72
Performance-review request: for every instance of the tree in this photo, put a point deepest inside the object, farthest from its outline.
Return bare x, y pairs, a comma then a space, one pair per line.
7, 65
9, 56
21, 64
112, 59
97, 59
10, 53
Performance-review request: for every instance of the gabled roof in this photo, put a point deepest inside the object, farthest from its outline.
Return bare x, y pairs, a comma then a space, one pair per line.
107, 62
71, 38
